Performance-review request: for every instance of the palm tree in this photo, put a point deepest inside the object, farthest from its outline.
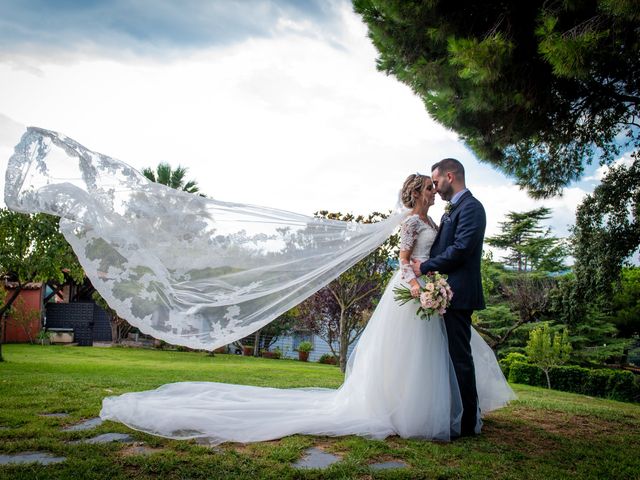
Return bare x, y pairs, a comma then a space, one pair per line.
166, 175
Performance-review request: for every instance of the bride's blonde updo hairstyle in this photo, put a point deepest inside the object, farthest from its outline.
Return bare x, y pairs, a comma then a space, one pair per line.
412, 188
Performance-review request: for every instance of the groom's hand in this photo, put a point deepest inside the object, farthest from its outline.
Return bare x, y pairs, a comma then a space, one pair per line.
415, 264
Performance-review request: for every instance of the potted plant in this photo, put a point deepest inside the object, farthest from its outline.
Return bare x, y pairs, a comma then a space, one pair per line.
303, 350
247, 350
43, 337
276, 353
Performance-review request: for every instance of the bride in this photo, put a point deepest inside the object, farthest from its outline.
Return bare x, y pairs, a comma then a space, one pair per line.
238, 267
399, 379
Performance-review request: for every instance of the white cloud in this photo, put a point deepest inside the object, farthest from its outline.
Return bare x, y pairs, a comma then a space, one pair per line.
297, 121
290, 122
601, 171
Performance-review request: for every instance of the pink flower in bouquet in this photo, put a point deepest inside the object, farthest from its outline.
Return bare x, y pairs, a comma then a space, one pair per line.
434, 298
424, 298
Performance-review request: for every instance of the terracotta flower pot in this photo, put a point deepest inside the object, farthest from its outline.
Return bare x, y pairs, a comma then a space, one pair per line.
303, 356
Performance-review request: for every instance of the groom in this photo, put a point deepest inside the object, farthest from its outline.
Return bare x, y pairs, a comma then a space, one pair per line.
457, 251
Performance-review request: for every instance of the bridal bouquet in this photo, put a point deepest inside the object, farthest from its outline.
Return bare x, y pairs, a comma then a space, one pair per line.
434, 297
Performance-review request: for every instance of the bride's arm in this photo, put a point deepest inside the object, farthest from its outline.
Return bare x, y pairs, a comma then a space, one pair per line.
408, 235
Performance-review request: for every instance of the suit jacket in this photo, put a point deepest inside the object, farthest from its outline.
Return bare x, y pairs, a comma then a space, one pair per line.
457, 251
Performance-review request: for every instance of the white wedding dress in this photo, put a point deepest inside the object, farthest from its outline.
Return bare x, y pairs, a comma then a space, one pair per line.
399, 381
202, 273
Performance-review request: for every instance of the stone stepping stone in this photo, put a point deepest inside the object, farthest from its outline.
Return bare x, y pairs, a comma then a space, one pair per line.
55, 415
42, 458
86, 425
388, 465
316, 458
107, 438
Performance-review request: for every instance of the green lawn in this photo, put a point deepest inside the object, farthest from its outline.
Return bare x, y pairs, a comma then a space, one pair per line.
545, 434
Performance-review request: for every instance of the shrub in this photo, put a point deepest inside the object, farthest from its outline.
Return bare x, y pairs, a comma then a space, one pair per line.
328, 359
597, 383
526, 373
570, 379
275, 354
43, 337
623, 385
606, 383
509, 360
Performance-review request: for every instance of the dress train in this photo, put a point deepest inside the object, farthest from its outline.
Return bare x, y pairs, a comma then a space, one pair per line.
399, 380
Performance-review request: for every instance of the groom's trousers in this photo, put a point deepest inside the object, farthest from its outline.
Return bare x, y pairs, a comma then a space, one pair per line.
458, 325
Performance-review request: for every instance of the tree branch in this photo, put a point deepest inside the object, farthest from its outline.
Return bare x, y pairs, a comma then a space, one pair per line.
9, 302
488, 333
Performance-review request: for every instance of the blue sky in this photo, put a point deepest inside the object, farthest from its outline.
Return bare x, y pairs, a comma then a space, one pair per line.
148, 27
270, 103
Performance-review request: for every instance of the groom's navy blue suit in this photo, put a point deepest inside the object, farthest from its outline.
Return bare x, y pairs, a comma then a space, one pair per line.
457, 251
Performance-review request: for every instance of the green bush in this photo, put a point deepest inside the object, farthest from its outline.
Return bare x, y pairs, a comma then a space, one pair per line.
607, 383
526, 373
328, 359
624, 385
597, 383
509, 360
571, 378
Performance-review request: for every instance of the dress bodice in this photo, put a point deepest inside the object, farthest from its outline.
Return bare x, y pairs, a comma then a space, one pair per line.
418, 236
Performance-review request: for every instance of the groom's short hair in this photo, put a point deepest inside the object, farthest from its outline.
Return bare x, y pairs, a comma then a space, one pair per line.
450, 165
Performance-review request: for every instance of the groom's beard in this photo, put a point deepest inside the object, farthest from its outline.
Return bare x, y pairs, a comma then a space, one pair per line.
447, 193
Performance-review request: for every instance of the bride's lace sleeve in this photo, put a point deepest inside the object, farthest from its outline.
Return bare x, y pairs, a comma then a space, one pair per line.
408, 235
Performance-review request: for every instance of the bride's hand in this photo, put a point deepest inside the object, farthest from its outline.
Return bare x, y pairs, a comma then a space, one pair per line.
415, 264
415, 290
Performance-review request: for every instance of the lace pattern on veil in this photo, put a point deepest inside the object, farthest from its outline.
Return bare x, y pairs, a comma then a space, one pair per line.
189, 270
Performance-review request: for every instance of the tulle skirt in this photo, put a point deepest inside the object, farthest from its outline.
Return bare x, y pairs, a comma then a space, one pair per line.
399, 381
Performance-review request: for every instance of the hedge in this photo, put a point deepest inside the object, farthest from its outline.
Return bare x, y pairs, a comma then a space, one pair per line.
607, 383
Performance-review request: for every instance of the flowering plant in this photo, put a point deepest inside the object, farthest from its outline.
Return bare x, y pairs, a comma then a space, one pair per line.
434, 297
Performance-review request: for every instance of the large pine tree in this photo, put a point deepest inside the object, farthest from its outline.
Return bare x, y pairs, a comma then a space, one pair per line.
537, 88
530, 246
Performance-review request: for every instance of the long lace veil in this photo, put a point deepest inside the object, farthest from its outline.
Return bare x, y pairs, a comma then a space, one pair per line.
189, 270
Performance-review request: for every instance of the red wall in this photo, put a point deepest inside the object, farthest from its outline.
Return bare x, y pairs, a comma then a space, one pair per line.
28, 300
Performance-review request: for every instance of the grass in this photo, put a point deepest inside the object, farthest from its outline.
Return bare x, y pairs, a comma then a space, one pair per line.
544, 435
